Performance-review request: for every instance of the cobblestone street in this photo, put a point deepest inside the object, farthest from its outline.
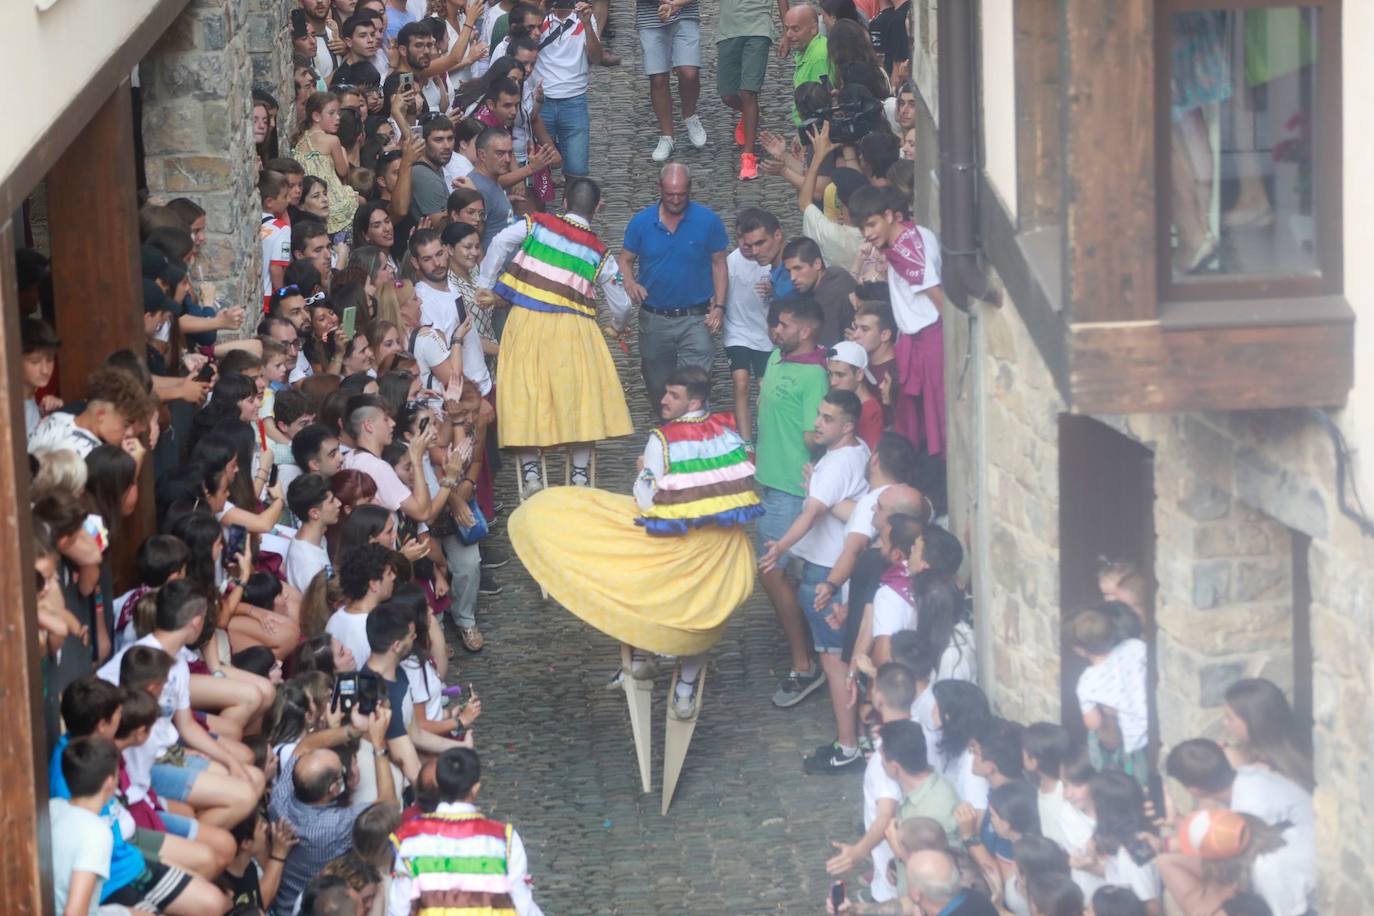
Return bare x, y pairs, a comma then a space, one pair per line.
747, 832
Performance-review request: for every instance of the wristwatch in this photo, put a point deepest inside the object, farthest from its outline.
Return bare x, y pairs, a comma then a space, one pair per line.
380, 751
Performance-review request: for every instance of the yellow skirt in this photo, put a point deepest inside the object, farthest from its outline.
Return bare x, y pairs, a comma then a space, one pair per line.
556, 382
665, 594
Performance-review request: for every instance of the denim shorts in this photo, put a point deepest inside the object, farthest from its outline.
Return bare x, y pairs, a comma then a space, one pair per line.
175, 781
180, 825
824, 637
780, 510
667, 47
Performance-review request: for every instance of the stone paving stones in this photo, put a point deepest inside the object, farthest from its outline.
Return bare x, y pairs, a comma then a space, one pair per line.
747, 832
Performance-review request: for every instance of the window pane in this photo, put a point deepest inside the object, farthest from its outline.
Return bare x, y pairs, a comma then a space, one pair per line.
1241, 155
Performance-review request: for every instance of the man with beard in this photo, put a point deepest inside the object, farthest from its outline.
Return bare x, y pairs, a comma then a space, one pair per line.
415, 51
428, 190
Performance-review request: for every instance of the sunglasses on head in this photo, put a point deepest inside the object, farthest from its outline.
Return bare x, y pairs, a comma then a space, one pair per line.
292, 290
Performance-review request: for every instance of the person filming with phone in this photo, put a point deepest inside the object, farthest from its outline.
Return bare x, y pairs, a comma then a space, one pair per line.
311, 785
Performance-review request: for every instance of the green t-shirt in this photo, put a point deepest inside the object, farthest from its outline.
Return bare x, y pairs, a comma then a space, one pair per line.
788, 397
812, 64
744, 18
501, 29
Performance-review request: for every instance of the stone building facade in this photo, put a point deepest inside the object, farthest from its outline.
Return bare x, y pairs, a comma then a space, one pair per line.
1262, 565
197, 127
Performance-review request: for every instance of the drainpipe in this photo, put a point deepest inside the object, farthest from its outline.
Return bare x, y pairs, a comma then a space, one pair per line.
958, 48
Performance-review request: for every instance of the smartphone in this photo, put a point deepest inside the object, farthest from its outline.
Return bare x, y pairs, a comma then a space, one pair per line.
424, 425
272, 475
206, 373
407, 82
1156, 789
837, 895
345, 693
349, 322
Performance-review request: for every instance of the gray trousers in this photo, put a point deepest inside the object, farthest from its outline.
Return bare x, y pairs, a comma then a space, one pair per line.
666, 343
464, 575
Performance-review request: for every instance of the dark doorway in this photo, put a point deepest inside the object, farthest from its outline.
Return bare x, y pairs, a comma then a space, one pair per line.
1106, 511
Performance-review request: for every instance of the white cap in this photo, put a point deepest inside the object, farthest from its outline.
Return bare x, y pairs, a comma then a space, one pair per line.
848, 351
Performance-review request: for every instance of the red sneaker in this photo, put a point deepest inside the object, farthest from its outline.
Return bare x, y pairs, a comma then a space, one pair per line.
748, 166
739, 132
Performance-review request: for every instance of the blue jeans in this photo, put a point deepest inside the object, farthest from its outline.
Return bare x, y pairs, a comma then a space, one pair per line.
570, 126
824, 637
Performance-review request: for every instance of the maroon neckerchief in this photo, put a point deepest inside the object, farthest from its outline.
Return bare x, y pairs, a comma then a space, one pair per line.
907, 255
898, 578
816, 357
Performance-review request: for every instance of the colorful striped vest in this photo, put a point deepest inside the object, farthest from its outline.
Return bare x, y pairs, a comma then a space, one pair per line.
458, 862
555, 269
709, 478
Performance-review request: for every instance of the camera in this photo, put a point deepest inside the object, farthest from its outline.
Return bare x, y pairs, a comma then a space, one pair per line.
361, 690
854, 113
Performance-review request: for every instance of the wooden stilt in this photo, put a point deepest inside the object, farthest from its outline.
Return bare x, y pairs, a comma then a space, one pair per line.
677, 735
639, 694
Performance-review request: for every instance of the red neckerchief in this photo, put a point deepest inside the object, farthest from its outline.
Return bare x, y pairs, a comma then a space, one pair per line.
898, 578
816, 357
907, 255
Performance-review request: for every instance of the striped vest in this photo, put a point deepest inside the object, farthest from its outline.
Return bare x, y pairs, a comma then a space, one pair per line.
555, 269
709, 478
458, 862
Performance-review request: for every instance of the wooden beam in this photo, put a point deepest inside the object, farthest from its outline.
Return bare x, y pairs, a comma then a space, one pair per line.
1039, 170
1142, 367
25, 879
97, 273
1109, 160
93, 223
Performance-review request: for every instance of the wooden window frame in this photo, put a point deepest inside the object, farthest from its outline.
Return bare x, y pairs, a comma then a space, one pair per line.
1175, 296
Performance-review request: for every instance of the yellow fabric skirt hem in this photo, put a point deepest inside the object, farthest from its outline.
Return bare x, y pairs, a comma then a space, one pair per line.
672, 595
557, 382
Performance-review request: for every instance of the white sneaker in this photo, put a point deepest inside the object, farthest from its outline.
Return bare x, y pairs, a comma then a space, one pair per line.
695, 132
664, 149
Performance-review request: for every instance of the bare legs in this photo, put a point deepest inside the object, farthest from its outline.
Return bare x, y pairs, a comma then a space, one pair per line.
661, 95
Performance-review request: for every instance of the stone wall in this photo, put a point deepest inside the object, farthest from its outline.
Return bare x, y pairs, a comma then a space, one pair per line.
1004, 503
197, 137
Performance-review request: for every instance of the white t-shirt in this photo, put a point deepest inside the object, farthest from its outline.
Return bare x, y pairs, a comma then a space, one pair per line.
562, 64
1120, 870
59, 431
840, 474
971, 787
458, 167
304, 561
301, 369
746, 312
438, 307
1286, 877
861, 519
923, 714
459, 75
324, 61
877, 786
429, 349
912, 306
32, 416
391, 492
1272, 797
81, 841
1071, 830
425, 687
275, 235
891, 612
351, 630
1119, 684
959, 661
175, 696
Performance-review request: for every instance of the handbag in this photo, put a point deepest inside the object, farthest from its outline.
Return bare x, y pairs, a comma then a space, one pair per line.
471, 534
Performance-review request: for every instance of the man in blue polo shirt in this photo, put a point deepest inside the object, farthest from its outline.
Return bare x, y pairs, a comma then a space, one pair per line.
680, 247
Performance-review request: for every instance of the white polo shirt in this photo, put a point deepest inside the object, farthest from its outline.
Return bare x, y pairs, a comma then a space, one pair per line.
562, 64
